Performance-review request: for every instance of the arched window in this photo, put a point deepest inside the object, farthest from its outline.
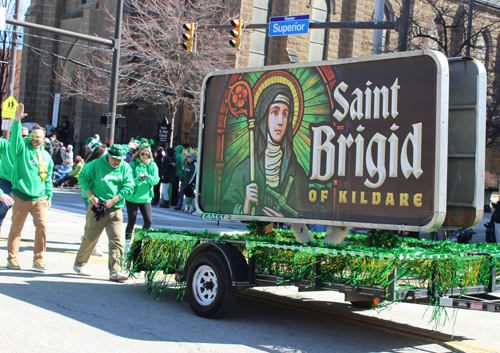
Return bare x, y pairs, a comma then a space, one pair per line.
258, 38
318, 36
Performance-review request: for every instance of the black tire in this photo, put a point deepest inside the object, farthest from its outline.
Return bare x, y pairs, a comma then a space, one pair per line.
208, 287
365, 304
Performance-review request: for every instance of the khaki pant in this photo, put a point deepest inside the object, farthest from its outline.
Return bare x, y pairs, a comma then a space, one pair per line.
112, 222
20, 210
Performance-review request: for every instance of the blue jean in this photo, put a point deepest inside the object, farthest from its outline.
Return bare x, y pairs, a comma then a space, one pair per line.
6, 187
57, 176
181, 196
64, 178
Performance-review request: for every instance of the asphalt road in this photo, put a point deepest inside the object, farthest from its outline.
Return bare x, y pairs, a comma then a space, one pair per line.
59, 311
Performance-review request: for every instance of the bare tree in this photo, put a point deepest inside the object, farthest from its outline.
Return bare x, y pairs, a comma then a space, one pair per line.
154, 68
442, 25
5, 46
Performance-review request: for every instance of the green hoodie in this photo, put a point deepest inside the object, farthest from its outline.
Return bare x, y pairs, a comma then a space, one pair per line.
5, 162
26, 181
106, 182
179, 160
143, 191
189, 174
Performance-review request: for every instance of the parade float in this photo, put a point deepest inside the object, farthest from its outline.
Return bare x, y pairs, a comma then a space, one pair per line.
390, 144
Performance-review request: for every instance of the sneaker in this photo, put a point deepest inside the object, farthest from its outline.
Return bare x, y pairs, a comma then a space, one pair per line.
177, 208
13, 264
97, 251
117, 277
39, 266
195, 213
82, 271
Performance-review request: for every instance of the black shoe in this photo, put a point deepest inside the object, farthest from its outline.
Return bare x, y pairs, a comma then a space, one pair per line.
154, 203
164, 205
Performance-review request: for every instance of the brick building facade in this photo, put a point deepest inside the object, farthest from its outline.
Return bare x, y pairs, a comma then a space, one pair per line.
87, 16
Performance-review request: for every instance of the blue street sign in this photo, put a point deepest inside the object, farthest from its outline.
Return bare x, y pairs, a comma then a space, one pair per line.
288, 25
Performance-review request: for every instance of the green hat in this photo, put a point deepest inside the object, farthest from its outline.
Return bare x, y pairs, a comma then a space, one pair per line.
118, 151
92, 143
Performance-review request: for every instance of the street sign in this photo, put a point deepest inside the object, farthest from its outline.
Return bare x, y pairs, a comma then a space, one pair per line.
3, 10
9, 108
164, 130
288, 25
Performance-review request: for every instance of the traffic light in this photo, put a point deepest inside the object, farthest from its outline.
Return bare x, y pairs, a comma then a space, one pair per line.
236, 32
188, 36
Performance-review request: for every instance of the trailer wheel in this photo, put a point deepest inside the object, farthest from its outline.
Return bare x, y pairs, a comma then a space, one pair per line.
208, 286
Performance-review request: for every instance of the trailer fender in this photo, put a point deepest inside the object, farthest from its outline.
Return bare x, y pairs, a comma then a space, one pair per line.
234, 259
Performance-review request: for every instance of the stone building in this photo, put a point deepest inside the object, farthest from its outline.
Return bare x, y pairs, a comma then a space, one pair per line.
38, 87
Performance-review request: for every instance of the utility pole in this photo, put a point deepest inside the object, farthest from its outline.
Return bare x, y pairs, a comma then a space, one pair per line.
403, 28
113, 90
378, 16
12, 64
469, 27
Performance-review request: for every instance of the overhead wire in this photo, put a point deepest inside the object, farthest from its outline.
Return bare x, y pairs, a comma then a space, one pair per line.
163, 89
65, 42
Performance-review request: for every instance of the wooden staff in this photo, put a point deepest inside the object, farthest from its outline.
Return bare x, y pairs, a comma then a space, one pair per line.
240, 103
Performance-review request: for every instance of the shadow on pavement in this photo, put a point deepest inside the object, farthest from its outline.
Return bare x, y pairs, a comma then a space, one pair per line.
270, 324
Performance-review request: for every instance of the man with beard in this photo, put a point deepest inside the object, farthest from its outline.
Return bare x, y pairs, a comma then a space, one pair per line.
106, 181
31, 190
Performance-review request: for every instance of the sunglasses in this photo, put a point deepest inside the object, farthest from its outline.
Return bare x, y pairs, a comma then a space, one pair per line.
145, 154
25, 136
35, 136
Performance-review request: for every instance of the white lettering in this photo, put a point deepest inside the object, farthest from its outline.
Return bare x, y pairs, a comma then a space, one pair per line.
341, 100
358, 110
317, 148
416, 141
379, 139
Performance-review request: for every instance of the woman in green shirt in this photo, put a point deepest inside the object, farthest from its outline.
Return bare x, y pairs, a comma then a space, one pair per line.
145, 174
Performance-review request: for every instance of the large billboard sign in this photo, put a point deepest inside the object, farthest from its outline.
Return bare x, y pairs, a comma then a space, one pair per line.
359, 142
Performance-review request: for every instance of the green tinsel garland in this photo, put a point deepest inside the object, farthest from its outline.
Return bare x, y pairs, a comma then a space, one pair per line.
364, 260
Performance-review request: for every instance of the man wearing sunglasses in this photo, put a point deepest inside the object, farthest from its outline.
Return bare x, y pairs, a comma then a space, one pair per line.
31, 189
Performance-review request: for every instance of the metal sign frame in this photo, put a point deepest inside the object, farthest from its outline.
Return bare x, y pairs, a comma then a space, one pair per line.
440, 153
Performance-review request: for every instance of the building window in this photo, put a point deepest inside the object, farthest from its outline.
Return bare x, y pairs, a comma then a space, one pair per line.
258, 38
318, 36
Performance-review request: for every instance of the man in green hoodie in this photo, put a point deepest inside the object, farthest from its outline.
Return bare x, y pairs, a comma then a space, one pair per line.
179, 160
31, 189
106, 181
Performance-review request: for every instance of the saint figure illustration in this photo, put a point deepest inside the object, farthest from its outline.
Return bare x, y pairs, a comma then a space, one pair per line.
280, 185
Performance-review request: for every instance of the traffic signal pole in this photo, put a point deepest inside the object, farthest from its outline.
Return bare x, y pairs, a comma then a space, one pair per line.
113, 90
12, 64
115, 44
316, 25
